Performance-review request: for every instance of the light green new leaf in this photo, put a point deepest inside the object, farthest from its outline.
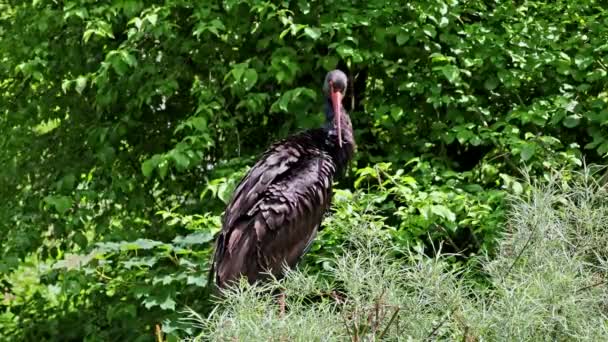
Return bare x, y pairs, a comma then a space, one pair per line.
313, 33
443, 211
81, 83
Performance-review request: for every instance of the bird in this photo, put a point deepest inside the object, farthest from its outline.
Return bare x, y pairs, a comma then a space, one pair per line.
276, 210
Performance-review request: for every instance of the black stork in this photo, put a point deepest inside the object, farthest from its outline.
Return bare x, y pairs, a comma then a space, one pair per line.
277, 209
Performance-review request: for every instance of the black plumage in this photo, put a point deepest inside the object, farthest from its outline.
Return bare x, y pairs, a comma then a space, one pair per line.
277, 209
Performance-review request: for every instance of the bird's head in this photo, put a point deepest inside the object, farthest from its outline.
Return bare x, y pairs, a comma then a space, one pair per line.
335, 88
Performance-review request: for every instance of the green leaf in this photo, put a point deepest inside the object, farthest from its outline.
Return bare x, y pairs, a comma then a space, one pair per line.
223, 192
81, 83
517, 188
193, 239
444, 212
582, 62
603, 148
250, 77
181, 160
152, 18
65, 85
80, 239
429, 30
572, 121
490, 83
119, 66
128, 58
402, 38
527, 151
396, 113
200, 281
329, 62
163, 167
313, 33
168, 304
451, 72
144, 244
345, 51
148, 166
238, 70
61, 204
137, 22
199, 123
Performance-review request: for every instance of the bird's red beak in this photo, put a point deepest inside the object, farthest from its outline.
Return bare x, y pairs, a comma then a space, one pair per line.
336, 101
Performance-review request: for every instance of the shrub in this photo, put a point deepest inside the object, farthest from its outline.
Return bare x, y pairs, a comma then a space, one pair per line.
547, 281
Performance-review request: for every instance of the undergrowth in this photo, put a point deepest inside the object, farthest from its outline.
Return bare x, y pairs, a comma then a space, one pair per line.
547, 281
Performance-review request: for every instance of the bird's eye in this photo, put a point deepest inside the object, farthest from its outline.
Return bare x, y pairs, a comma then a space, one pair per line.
339, 86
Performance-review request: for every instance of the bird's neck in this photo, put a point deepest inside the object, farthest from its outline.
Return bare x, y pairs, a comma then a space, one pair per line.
329, 113
330, 125
342, 154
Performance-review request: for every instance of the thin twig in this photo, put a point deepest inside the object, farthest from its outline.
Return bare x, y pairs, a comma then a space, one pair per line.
519, 255
282, 304
449, 238
591, 286
390, 322
437, 327
356, 326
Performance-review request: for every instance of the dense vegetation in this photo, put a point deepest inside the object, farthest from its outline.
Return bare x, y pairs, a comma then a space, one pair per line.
547, 281
125, 124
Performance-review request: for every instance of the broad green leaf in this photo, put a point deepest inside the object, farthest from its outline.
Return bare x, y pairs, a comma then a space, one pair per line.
429, 30
148, 166
168, 304
517, 188
193, 239
128, 58
313, 33
181, 160
81, 83
250, 77
200, 281
61, 204
402, 38
199, 123
572, 121
603, 148
443, 211
152, 18
396, 113
140, 244
163, 168
451, 72
527, 151
345, 51
329, 62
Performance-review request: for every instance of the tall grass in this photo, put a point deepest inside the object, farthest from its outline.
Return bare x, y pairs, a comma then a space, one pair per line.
547, 281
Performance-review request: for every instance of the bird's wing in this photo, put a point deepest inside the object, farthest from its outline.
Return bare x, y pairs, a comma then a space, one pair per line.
291, 212
274, 163
277, 220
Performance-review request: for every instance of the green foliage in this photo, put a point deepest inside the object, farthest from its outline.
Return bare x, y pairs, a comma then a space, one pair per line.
545, 281
126, 124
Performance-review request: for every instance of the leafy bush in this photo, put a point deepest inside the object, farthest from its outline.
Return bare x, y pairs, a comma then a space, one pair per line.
548, 280
125, 124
